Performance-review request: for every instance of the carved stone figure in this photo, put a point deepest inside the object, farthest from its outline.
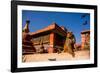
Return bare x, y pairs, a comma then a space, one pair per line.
69, 43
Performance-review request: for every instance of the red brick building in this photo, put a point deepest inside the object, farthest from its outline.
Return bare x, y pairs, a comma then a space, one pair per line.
52, 36
85, 38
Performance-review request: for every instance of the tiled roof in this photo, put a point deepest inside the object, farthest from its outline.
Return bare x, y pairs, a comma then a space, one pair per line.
53, 26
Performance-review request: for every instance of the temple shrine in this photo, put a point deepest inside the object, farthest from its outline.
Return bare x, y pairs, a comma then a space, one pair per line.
49, 38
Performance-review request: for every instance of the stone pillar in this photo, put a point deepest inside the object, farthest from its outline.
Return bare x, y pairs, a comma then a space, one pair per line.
83, 39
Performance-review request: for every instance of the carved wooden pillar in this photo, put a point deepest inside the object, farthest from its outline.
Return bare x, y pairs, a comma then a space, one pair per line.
52, 40
51, 47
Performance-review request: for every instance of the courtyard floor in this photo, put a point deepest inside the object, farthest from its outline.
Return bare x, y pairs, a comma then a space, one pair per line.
79, 55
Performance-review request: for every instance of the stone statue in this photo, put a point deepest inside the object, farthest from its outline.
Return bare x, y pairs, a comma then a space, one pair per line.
69, 43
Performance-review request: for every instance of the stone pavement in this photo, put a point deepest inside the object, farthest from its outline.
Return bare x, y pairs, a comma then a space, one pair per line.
79, 55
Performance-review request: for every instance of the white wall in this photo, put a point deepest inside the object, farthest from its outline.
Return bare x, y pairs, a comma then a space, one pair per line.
5, 33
